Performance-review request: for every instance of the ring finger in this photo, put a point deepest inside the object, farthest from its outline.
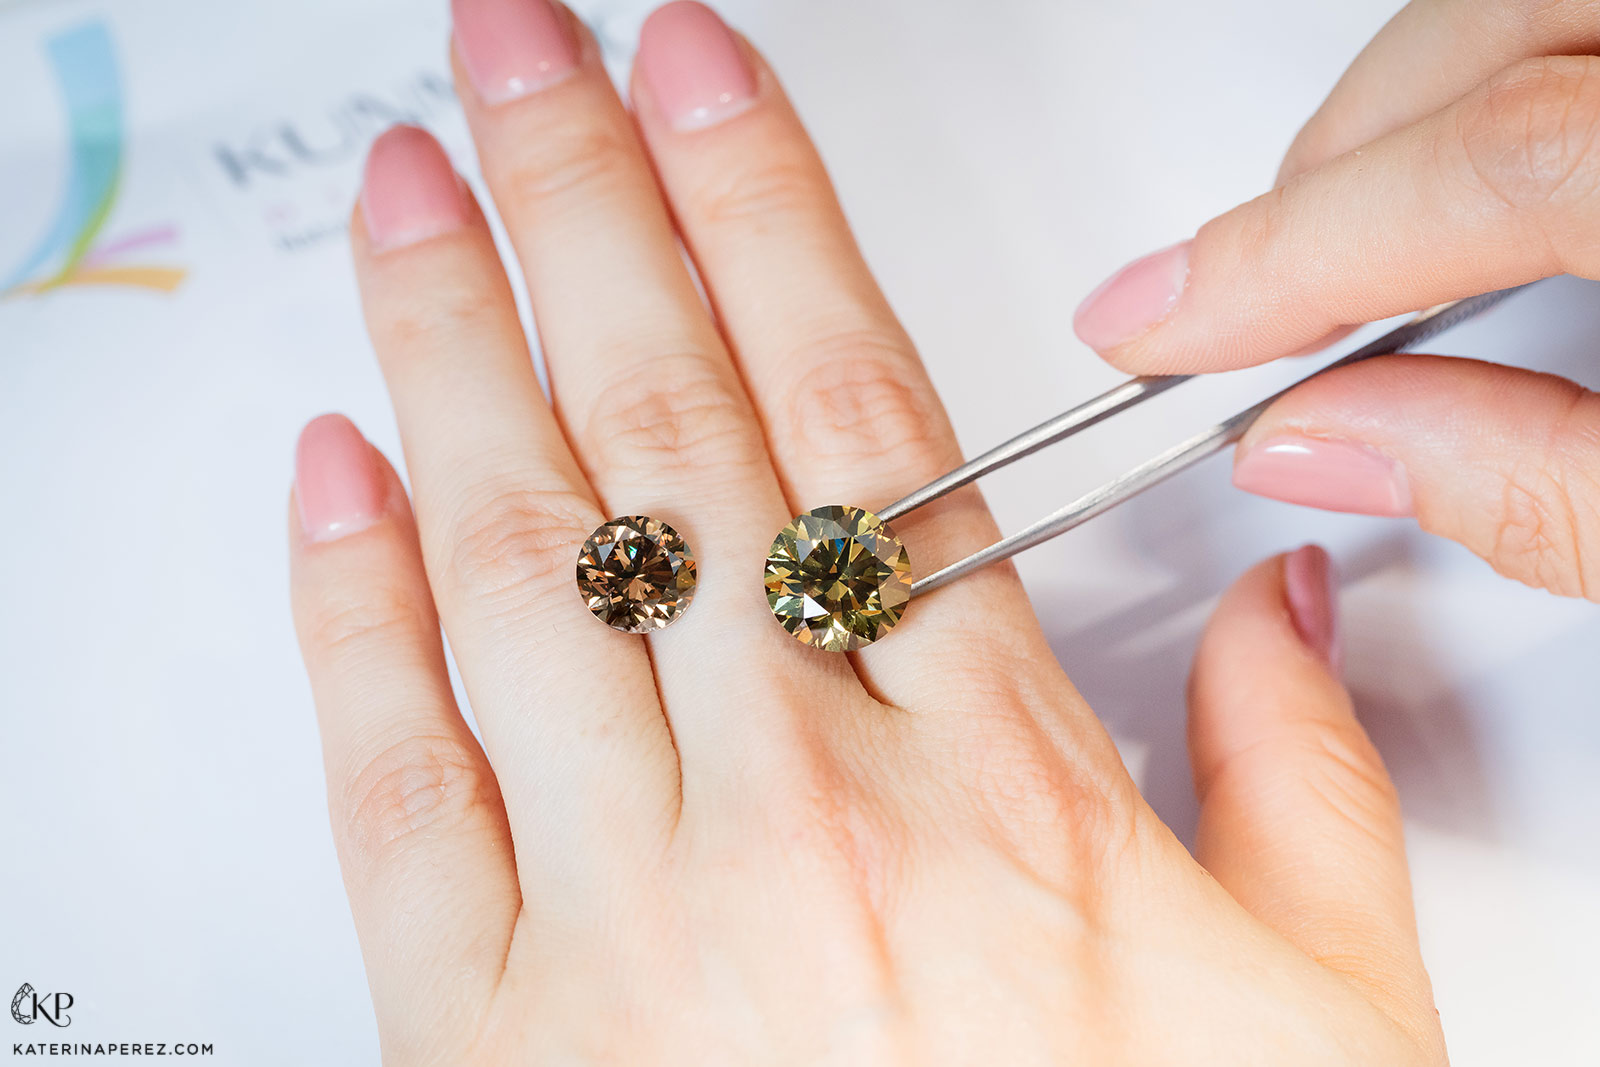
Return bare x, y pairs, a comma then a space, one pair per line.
848, 407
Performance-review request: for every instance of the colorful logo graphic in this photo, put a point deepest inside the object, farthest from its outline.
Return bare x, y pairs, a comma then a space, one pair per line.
71, 251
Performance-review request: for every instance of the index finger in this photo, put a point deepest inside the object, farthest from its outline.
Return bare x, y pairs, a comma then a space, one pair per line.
1499, 189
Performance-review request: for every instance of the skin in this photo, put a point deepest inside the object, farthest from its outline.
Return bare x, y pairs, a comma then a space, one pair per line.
1457, 155
713, 845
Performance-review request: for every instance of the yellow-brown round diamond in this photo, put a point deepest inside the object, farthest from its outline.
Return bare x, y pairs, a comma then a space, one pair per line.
636, 574
838, 578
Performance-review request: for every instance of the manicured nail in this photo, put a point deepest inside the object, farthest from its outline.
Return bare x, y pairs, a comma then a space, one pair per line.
693, 67
1134, 299
1311, 585
512, 48
410, 191
337, 483
1323, 473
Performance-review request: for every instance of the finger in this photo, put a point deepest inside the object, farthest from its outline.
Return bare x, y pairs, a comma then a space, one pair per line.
1505, 461
1497, 190
567, 707
1298, 818
418, 821
1430, 54
642, 382
847, 406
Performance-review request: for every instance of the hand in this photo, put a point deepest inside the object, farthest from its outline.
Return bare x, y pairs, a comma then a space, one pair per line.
714, 845
1457, 155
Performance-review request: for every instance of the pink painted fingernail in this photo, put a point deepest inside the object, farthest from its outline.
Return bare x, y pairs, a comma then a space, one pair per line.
693, 67
1134, 299
410, 191
1322, 473
512, 48
337, 483
1311, 585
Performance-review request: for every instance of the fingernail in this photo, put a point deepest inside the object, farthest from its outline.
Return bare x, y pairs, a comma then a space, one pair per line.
337, 483
1311, 583
1134, 299
410, 192
693, 67
1323, 473
512, 48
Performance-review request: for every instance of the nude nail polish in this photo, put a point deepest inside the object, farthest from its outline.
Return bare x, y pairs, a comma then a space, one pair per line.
338, 485
1310, 584
512, 48
409, 191
1323, 473
693, 67
1134, 299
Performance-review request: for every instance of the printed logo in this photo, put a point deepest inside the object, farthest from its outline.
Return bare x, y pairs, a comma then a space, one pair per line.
28, 1007
71, 252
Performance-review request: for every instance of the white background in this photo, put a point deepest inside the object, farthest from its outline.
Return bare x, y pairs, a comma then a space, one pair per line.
165, 845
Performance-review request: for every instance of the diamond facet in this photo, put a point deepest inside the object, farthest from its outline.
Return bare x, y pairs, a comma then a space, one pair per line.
636, 574
838, 578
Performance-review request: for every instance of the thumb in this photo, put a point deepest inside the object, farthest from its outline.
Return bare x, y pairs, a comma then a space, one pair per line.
1503, 460
1298, 818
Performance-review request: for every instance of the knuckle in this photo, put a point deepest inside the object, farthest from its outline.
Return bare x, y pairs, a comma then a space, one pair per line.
438, 322
1261, 239
1327, 762
1034, 796
421, 785
1531, 536
564, 158
1345, 774
859, 394
679, 410
520, 540
360, 624
1049, 796
1262, 228
816, 817
1529, 135
1550, 507
757, 195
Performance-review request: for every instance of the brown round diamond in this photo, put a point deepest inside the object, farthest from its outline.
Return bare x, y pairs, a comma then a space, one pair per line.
636, 574
838, 578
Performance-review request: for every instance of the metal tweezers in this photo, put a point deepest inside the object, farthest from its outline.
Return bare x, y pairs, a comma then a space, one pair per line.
1135, 391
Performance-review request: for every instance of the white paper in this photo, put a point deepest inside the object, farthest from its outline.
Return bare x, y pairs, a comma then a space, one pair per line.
166, 845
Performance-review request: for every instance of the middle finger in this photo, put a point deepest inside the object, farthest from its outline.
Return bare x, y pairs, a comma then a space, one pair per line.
848, 406
640, 379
